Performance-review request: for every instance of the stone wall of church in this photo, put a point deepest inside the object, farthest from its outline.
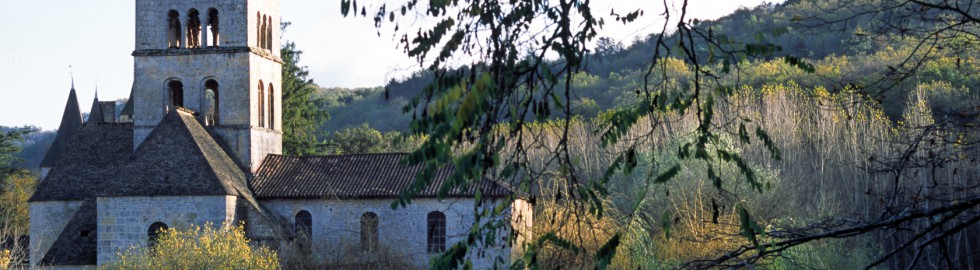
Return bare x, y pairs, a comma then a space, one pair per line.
401, 233
151, 21
125, 221
152, 74
48, 219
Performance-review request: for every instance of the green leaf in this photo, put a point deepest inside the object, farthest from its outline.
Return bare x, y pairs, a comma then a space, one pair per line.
669, 174
606, 253
767, 141
750, 229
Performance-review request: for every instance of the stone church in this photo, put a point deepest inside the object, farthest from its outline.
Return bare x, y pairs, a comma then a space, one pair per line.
200, 141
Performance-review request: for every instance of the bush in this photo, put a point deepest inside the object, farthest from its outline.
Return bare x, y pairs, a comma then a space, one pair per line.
199, 248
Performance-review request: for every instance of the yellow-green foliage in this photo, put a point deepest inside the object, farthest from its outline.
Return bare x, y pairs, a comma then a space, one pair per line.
14, 211
199, 248
6, 259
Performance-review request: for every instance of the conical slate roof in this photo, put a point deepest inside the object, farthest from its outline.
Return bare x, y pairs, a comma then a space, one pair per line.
178, 158
71, 122
128, 108
95, 114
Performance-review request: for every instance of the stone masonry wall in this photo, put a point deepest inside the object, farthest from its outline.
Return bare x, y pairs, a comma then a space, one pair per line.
401, 232
151, 21
48, 219
152, 73
125, 221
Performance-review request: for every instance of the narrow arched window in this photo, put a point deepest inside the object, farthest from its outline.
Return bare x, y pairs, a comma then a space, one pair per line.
304, 224
258, 30
211, 103
436, 233
272, 107
154, 232
265, 32
193, 29
213, 26
268, 33
261, 104
175, 94
369, 232
173, 29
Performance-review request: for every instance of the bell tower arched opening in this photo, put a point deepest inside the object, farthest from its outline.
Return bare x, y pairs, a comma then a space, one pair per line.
213, 26
212, 102
193, 29
175, 94
173, 29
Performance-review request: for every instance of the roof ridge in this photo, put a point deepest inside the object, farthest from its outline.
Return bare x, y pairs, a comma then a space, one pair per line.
342, 155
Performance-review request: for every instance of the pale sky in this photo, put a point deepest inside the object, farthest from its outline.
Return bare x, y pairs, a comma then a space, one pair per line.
40, 39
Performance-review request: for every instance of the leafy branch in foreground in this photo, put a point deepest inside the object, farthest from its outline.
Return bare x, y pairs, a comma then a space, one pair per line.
489, 118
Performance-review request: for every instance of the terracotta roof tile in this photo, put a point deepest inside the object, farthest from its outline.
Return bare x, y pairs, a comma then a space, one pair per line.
352, 176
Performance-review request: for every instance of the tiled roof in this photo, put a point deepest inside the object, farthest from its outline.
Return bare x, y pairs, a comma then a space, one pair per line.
91, 157
71, 122
77, 244
352, 176
178, 158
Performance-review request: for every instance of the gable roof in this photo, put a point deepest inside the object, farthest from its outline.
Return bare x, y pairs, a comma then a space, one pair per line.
91, 157
352, 177
71, 122
77, 244
178, 158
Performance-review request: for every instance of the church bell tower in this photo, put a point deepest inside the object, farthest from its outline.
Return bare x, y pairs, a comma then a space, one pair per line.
218, 58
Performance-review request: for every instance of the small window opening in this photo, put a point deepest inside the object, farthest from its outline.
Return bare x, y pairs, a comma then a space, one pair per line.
84, 233
154, 232
176, 93
173, 32
211, 103
272, 108
213, 26
436, 232
304, 224
193, 29
369, 232
261, 104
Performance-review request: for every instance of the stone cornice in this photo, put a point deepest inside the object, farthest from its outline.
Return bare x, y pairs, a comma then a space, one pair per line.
208, 50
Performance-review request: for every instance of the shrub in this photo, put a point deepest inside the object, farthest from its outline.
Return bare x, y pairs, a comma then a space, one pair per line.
198, 248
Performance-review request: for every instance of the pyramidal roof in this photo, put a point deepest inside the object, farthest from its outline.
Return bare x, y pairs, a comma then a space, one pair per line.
93, 155
95, 114
71, 122
128, 108
179, 158
76, 245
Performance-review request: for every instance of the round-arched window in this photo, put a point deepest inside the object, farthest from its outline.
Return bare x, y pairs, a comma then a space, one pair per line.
154, 232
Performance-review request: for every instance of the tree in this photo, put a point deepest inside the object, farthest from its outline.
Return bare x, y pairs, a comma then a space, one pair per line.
357, 140
477, 116
483, 117
301, 113
198, 248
